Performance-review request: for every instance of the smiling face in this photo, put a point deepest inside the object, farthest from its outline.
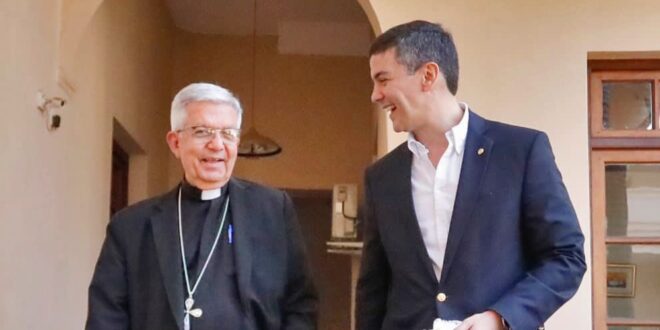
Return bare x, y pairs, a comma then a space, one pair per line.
397, 91
207, 162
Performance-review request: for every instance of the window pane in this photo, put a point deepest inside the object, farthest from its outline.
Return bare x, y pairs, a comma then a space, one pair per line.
633, 281
632, 199
628, 105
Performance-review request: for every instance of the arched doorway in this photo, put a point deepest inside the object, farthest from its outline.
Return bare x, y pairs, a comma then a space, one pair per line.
316, 104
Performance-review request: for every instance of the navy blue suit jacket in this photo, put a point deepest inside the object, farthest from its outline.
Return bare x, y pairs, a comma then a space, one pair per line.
138, 282
514, 246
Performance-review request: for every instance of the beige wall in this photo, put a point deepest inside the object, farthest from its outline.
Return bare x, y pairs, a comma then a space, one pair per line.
525, 62
316, 107
54, 186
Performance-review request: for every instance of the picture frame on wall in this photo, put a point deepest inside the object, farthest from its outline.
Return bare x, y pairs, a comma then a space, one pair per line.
621, 280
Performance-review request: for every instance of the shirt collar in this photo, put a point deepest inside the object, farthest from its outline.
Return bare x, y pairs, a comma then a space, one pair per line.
195, 193
456, 136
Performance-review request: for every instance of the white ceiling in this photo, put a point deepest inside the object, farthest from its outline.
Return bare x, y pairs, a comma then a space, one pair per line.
234, 17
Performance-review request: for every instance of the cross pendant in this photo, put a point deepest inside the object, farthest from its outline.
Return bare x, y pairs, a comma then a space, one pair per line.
196, 313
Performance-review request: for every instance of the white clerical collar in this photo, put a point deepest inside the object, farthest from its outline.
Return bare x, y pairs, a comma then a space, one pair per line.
211, 194
194, 193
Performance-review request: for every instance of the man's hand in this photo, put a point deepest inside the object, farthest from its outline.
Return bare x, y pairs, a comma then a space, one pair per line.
488, 320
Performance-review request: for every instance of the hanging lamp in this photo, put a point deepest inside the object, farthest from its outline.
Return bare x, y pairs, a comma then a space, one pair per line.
254, 144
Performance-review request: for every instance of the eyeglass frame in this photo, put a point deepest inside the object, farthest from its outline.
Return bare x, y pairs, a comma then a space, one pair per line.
233, 133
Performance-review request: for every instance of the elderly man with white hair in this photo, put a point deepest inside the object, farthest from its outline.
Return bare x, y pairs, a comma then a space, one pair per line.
216, 252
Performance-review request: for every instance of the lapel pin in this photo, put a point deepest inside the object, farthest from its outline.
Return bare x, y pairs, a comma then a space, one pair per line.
480, 151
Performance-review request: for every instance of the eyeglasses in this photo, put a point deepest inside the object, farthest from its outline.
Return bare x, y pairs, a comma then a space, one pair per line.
205, 134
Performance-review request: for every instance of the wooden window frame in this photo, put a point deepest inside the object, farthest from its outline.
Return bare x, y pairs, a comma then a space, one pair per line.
599, 238
608, 146
596, 92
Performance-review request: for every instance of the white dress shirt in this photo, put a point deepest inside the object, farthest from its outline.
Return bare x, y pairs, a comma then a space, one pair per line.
434, 189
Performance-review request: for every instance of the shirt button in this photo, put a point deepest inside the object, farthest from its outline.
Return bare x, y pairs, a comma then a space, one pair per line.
441, 297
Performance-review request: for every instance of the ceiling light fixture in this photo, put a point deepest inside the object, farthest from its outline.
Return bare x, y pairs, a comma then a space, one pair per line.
253, 144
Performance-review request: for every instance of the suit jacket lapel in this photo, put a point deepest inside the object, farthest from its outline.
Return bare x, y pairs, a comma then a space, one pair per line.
165, 230
243, 245
474, 165
407, 210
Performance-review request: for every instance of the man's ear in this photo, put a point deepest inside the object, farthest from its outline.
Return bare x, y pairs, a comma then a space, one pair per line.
431, 75
173, 142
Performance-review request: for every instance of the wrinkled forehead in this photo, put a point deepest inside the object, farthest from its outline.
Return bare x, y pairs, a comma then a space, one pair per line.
211, 112
209, 104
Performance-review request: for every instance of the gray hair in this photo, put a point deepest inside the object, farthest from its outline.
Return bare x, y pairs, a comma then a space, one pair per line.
201, 92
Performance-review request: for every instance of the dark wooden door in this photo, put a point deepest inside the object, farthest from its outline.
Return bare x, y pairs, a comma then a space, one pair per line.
331, 272
119, 185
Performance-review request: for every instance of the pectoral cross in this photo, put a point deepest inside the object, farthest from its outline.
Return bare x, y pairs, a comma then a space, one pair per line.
197, 312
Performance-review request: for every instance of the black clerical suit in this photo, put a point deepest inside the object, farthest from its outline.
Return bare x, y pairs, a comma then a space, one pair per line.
259, 280
217, 290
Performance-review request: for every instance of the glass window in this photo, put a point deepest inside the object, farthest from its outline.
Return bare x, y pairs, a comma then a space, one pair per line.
632, 193
624, 137
628, 105
633, 281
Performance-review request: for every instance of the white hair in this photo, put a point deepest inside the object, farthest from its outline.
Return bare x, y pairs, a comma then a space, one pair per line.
201, 92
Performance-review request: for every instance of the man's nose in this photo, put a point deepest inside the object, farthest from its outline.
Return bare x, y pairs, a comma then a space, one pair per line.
376, 94
216, 141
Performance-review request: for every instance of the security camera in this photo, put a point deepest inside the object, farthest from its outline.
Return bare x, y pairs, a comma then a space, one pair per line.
53, 113
51, 107
54, 122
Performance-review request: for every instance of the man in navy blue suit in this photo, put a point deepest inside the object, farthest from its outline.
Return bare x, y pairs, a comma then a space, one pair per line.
468, 220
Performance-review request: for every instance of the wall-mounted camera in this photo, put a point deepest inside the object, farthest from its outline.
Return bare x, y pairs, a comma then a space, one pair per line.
52, 108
